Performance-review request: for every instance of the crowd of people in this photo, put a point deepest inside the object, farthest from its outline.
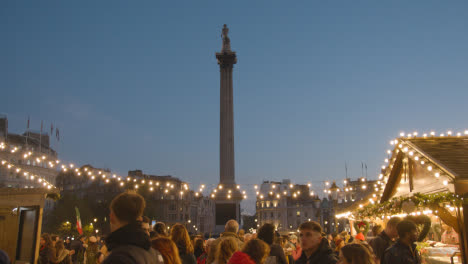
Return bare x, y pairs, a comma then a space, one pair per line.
134, 240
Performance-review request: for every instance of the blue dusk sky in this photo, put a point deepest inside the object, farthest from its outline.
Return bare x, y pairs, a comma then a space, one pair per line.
135, 84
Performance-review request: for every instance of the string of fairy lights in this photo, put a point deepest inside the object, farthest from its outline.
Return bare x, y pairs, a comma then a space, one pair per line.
414, 153
400, 144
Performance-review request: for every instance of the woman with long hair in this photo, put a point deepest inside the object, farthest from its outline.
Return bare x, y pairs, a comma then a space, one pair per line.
200, 251
255, 251
181, 238
63, 254
168, 250
225, 249
47, 252
356, 253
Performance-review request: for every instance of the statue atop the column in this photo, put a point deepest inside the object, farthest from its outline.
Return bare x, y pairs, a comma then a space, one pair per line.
226, 40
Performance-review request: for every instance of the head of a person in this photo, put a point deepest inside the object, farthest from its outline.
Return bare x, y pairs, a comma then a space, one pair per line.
54, 238
310, 234
126, 208
241, 233
408, 231
92, 242
247, 237
46, 240
355, 253
145, 224
208, 244
231, 226
257, 250
377, 229
167, 248
199, 245
267, 233
225, 249
339, 243
160, 229
59, 245
391, 228
181, 238
293, 238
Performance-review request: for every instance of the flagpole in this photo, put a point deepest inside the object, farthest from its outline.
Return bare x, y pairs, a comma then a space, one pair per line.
40, 139
346, 170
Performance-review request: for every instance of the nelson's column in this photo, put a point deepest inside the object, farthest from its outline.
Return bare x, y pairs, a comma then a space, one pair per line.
227, 196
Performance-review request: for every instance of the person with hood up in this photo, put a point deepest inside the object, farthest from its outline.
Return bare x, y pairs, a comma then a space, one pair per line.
128, 243
315, 248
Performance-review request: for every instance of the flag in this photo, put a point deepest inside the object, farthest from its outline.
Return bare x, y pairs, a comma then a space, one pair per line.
78, 221
28, 123
42, 122
57, 134
51, 129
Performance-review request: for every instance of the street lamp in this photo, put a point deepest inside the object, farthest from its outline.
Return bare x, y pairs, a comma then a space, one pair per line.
97, 231
95, 220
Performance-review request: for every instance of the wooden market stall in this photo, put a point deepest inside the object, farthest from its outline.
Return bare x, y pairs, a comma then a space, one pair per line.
428, 176
20, 222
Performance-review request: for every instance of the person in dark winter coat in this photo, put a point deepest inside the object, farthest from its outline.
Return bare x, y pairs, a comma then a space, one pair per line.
78, 250
47, 252
180, 236
128, 243
384, 239
267, 233
315, 248
404, 250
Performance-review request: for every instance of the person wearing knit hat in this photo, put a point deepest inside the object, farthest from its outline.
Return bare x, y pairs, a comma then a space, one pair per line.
360, 237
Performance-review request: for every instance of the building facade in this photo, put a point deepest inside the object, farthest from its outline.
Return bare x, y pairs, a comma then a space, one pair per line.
286, 205
168, 199
32, 154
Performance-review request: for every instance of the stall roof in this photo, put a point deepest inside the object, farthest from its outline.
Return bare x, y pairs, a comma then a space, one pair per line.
450, 152
447, 154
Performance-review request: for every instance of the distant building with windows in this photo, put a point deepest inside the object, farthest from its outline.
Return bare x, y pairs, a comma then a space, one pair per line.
168, 199
38, 163
286, 205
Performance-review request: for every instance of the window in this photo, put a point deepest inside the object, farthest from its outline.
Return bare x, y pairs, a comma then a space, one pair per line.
267, 204
279, 214
172, 206
298, 213
305, 214
271, 214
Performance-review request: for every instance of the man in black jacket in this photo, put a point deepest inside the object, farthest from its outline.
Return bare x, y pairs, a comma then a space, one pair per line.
315, 248
384, 240
128, 243
404, 251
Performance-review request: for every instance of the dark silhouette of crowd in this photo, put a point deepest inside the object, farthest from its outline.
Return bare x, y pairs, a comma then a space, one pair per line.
134, 240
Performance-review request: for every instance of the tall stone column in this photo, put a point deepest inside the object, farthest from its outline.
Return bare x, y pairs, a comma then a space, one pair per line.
227, 197
226, 61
